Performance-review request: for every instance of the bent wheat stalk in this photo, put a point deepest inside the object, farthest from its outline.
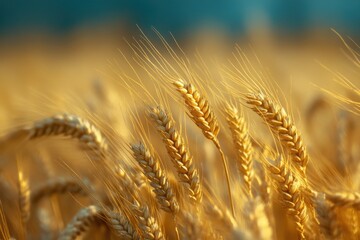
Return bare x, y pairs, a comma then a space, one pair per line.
56, 186
87, 216
72, 126
202, 115
158, 180
178, 152
242, 142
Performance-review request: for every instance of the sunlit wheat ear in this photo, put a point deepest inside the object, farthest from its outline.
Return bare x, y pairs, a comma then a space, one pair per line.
292, 197
345, 199
24, 198
56, 186
241, 140
201, 114
328, 221
71, 126
147, 224
92, 214
282, 126
178, 152
158, 180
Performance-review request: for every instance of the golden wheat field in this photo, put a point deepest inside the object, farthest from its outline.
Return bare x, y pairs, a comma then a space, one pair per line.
164, 142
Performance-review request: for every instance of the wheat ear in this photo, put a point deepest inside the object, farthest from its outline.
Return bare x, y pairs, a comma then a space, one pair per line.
292, 197
158, 180
56, 186
24, 198
281, 124
149, 226
178, 152
72, 126
345, 199
242, 143
202, 115
87, 216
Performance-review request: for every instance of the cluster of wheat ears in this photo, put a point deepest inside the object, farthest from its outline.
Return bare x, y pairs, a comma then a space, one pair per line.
141, 174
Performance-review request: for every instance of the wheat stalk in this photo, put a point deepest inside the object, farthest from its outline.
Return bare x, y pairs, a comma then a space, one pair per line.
242, 143
72, 126
202, 115
179, 153
281, 124
56, 186
292, 197
158, 180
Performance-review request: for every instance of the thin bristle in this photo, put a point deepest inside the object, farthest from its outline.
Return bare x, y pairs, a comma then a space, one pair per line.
158, 180
242, 143
179, 153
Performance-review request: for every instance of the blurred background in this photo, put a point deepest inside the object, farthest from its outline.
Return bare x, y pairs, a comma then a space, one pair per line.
53, 45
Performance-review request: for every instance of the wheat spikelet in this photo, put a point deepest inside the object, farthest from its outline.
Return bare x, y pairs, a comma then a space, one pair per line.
241, 140
24, 198
281, 124
345, 199
202, 115
72, 126
56, 186
148, 225
292, 197
180, 155
157, 178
